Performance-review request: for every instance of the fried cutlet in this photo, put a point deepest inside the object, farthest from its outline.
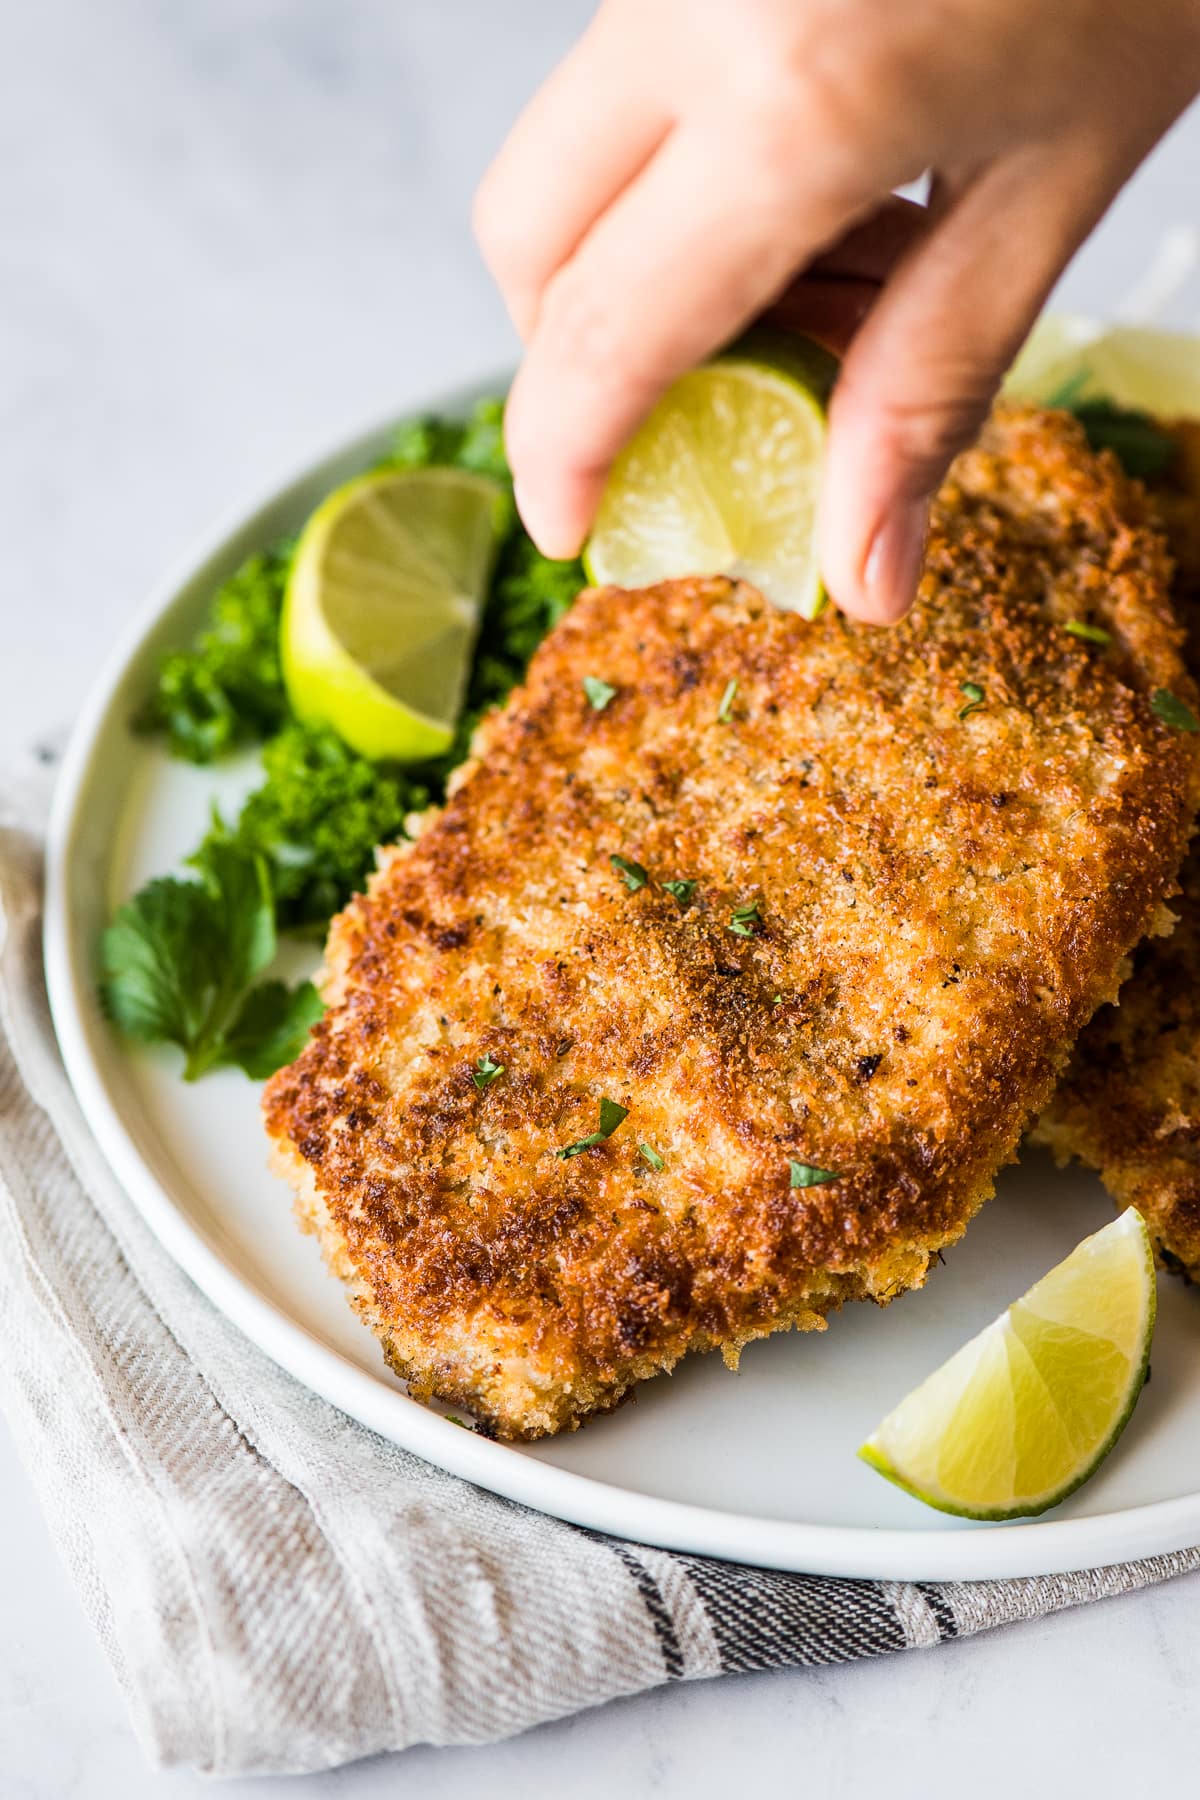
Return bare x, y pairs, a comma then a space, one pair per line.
827, 937
1130, 1104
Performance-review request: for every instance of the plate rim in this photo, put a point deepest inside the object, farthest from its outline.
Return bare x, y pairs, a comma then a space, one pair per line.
1055, 1546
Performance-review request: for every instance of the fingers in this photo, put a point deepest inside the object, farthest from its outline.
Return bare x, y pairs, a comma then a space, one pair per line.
830, 301
829, 311
921, 373
581, 140
658, 283
870, 250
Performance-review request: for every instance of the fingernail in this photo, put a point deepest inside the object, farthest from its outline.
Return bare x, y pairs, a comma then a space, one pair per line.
552, 537
893, 566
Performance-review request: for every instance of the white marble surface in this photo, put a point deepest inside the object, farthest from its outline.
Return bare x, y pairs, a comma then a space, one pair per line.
227, 229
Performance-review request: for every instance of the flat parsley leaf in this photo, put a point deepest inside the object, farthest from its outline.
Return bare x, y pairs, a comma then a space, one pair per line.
745, 920
975, 698
631, 873
156, 955
178, 964
805, 1175
682, 891
651, 1156
599, 692
1091, 634
611, 1115
486, 1071
1172, 711
272, 1027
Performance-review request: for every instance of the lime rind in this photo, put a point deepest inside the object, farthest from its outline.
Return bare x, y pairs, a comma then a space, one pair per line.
1133, 365
383, 606
1053, 1384
723, 478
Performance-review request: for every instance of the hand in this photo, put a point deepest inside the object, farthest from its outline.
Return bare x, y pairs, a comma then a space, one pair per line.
691, 158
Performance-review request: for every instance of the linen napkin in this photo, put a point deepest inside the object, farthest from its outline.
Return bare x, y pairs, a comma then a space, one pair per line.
277, 1588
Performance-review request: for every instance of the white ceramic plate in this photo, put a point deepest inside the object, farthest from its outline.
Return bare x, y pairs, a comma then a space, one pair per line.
758, 1467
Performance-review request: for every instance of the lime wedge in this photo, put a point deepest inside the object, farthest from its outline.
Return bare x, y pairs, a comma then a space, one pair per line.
383, 605
1155, 371
723, 478
1026, 1411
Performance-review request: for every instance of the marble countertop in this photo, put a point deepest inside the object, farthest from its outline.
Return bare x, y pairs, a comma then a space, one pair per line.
231, 228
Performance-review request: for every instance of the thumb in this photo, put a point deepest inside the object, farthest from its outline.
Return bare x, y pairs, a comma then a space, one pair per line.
922, 372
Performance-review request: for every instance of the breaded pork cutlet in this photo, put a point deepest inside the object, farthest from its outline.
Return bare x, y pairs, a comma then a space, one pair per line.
827, 937
1130, 1104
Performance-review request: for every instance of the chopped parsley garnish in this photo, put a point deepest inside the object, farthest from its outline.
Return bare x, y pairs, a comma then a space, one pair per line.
485, 1072
1172, 711
776, 999
631, 873
611, 1115
725, 710
682, 891
805, 1175
1091, 634
652, 1157
742, 923
599, 692
975, 698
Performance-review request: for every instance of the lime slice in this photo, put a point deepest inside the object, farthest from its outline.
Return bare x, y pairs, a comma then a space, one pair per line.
1155, 371
1026, 1411
383, 606
723, 478
1052, 352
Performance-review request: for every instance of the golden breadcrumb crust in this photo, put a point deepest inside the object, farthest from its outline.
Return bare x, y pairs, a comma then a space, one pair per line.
944, 893
1130, 1103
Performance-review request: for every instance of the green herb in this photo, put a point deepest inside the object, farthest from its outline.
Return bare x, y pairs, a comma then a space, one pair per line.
178, 964
453, 1419
631, 873
1140, 444
611, 1116
725, 710
651, 1156
1063, 398
272, 1027
529, 592
1091, 634
1172, 711
743, 922
316, 820
599, 693
226, 688
529, 595
682, 891
777, 1000
975, 698
1138, 441
485, 1072
805, 1175
474, 443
